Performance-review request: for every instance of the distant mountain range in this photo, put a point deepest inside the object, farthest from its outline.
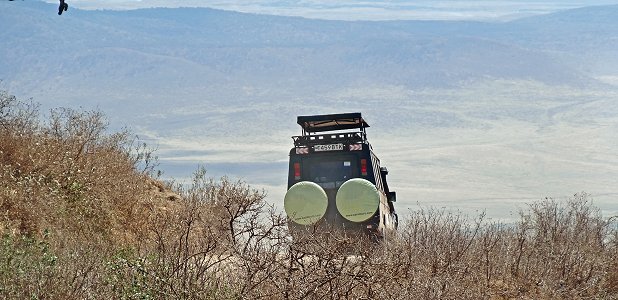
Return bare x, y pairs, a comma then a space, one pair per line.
150, 51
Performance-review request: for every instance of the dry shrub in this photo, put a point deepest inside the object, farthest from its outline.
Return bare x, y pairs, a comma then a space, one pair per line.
611, 281
202, 249
68, 174
561, 250
69, 180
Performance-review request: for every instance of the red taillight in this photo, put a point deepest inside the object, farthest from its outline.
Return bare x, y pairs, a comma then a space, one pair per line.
297, 171
363, 167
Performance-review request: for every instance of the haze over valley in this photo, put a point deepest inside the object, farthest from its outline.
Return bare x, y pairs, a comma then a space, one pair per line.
466, 114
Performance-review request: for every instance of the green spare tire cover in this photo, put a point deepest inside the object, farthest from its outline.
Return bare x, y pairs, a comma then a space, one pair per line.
305, 203
357, 200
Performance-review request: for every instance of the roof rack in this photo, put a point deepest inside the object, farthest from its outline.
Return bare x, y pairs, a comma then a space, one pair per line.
320, 123
332, 122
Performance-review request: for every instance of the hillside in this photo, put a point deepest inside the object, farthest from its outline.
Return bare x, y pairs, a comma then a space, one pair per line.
190, 48
69, 176
83, 218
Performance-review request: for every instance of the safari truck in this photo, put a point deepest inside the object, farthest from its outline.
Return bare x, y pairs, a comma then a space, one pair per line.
335, 179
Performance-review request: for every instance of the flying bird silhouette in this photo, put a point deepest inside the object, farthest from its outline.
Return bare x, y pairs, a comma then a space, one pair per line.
63, 7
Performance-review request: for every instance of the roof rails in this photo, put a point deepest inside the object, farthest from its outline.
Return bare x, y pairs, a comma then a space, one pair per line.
332, 122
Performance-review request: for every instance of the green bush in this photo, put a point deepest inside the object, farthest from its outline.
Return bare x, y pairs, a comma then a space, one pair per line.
27, 267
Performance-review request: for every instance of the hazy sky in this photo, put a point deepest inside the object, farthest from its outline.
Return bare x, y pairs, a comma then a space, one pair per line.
364, 10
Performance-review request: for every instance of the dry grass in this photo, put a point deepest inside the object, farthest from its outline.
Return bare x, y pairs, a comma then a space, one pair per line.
83, 218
